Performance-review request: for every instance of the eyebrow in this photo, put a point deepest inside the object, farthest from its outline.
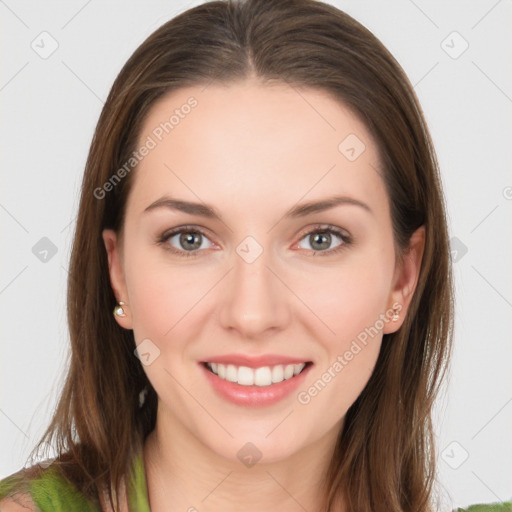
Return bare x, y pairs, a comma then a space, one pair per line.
302, 210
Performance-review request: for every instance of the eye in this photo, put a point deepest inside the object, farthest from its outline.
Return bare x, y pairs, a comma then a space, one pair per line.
321, 237
188, 239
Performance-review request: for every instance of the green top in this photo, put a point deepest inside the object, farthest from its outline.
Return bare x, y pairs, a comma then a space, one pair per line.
52, 492
505, 506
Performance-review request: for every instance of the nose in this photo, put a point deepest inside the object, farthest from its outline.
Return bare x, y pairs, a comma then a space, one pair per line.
255, 299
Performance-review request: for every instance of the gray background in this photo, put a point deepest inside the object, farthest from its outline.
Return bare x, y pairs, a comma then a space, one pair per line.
50, 107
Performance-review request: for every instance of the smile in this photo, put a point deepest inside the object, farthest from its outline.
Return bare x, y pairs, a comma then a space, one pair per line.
262, 376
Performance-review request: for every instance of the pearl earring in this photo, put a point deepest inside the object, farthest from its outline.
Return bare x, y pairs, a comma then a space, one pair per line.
119, 311
396, 315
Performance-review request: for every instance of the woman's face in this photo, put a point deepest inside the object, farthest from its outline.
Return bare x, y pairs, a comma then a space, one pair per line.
255, 280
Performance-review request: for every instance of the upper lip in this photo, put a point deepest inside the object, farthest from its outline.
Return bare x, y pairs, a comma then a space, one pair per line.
255, 361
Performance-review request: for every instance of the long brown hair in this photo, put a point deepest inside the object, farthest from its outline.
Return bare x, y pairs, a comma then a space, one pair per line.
384, 457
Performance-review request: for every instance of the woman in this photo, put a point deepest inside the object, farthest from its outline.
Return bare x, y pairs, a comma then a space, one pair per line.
254, 369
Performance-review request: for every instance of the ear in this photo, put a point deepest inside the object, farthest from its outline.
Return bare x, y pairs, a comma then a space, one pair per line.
406, 276
113, 246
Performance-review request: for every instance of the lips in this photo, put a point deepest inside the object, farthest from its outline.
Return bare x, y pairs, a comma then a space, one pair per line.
255, 381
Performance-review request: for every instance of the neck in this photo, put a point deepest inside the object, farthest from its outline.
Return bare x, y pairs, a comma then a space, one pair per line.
185, 475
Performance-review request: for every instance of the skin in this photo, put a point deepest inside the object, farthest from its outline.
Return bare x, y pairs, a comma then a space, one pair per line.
254, 151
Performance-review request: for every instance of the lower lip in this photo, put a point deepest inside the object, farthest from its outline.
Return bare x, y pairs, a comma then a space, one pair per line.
254, 396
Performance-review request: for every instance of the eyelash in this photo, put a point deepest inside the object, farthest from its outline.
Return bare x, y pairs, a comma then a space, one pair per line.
324, 228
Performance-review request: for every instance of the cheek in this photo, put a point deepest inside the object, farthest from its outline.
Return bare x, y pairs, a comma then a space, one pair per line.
351, 307
161, 294
164, 303
351, 301
350, 298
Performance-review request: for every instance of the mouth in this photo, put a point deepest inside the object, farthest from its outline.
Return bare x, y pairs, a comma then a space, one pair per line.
263, 376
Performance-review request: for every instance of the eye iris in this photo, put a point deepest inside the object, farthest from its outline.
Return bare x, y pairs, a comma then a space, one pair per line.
320, 235
189, 238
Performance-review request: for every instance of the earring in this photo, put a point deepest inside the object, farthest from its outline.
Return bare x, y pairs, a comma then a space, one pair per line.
396, 315
118, 310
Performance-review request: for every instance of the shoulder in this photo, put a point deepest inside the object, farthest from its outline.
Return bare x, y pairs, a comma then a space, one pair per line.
489, 507
41, 489
18, 502
15, 493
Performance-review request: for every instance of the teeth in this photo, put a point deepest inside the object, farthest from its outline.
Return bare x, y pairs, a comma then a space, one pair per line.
288, 371
278, 373
231, 373
264, 376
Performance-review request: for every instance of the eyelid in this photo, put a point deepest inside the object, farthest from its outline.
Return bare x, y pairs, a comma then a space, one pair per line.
319, 227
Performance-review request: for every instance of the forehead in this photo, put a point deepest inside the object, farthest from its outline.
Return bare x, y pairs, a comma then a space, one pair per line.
248, 141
